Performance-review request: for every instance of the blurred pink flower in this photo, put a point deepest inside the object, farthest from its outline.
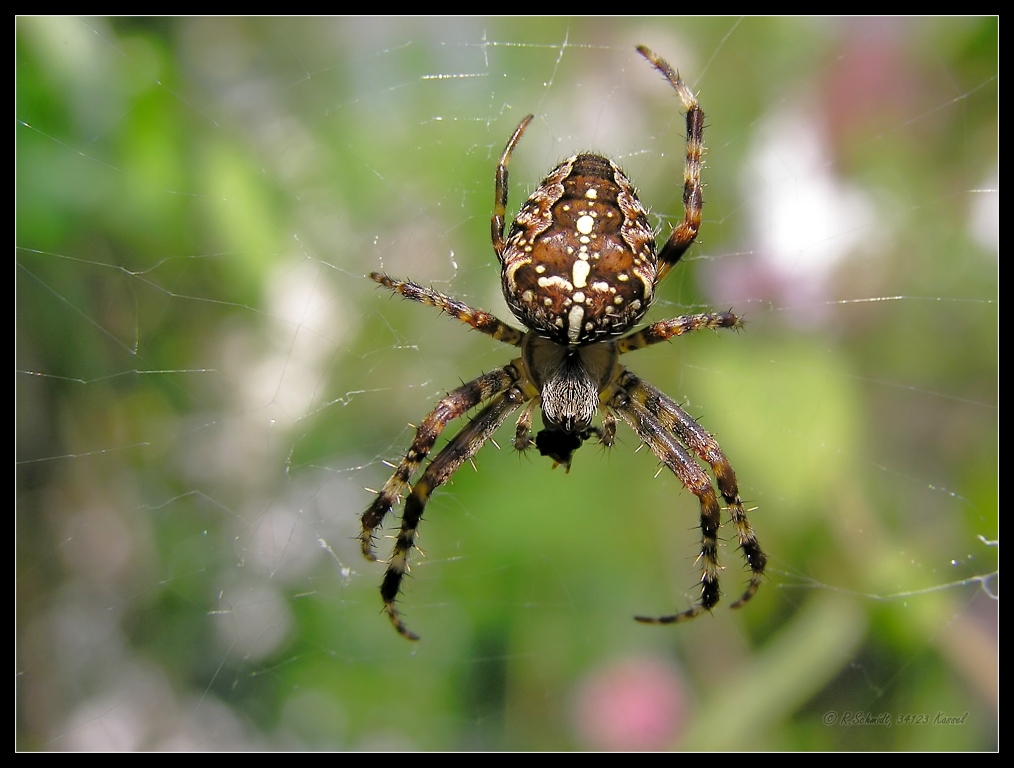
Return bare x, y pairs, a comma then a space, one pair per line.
632, 704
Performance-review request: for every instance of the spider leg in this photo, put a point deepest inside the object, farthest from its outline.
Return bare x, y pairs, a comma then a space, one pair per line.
607, 435
665, 411
668, 450
702, 443
480, 320
500, 188
455, 404
664, 330
685, 232
460, 449
523, 439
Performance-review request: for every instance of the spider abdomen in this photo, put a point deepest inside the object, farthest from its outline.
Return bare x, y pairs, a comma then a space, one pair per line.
579, 263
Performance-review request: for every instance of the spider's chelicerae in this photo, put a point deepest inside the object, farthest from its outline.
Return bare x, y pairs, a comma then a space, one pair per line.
579, 270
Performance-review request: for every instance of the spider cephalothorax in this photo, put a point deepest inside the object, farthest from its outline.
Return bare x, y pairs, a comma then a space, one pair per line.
579, 271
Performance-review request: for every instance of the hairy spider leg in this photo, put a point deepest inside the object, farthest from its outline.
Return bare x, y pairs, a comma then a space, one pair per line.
664, 330
657, 419
455, 404
479, 319
668, 450
460, 449
500, 188
701, 442
685, 232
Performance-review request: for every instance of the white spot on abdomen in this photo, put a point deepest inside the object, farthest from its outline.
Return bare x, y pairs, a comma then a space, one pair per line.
581, 270
574, 322
546, 282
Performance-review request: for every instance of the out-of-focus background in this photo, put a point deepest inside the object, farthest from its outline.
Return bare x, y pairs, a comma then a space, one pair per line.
207, 382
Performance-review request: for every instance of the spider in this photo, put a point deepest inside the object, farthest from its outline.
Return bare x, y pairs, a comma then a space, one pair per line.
579, 269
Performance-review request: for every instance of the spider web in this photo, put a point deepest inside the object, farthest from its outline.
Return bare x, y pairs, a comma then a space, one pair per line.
206, 383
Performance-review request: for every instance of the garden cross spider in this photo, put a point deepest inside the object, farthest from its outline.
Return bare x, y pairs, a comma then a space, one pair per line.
579, 269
